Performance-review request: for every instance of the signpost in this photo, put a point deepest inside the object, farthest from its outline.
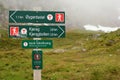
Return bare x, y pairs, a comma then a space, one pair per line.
37, 44
37, 56
36, 17
36, 31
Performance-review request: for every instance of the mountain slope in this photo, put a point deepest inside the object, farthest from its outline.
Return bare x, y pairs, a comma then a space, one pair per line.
79, 56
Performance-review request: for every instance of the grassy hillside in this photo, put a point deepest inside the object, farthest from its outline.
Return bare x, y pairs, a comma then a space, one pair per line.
79, 56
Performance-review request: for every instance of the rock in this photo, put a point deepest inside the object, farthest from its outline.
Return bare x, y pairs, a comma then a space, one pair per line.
75, 48
84, 50
59, 51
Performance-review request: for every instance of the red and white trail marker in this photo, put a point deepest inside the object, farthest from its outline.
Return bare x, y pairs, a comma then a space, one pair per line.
14, 31
59, 17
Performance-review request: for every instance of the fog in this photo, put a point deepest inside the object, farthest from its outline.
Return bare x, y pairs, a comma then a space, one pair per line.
78, 12
105, 29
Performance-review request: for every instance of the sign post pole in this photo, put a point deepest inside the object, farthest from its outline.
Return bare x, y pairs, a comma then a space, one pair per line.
37, 73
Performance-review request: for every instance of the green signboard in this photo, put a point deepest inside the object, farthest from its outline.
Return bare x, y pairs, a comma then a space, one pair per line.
37, 44
37, 17
37, 61
24, 31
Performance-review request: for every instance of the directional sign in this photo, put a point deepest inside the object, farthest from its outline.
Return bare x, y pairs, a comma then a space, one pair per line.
37, 61
36, 31
37, 44
36, 17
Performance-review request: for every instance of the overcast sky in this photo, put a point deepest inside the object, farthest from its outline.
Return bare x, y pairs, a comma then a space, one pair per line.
78, 12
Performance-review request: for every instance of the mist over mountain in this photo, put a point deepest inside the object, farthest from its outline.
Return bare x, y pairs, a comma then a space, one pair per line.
78, 12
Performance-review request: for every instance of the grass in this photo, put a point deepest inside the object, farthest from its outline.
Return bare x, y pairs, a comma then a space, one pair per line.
79, 56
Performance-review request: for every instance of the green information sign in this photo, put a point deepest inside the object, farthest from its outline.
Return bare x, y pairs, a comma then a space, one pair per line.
36, 17
37, 61
37, 44
24, 31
